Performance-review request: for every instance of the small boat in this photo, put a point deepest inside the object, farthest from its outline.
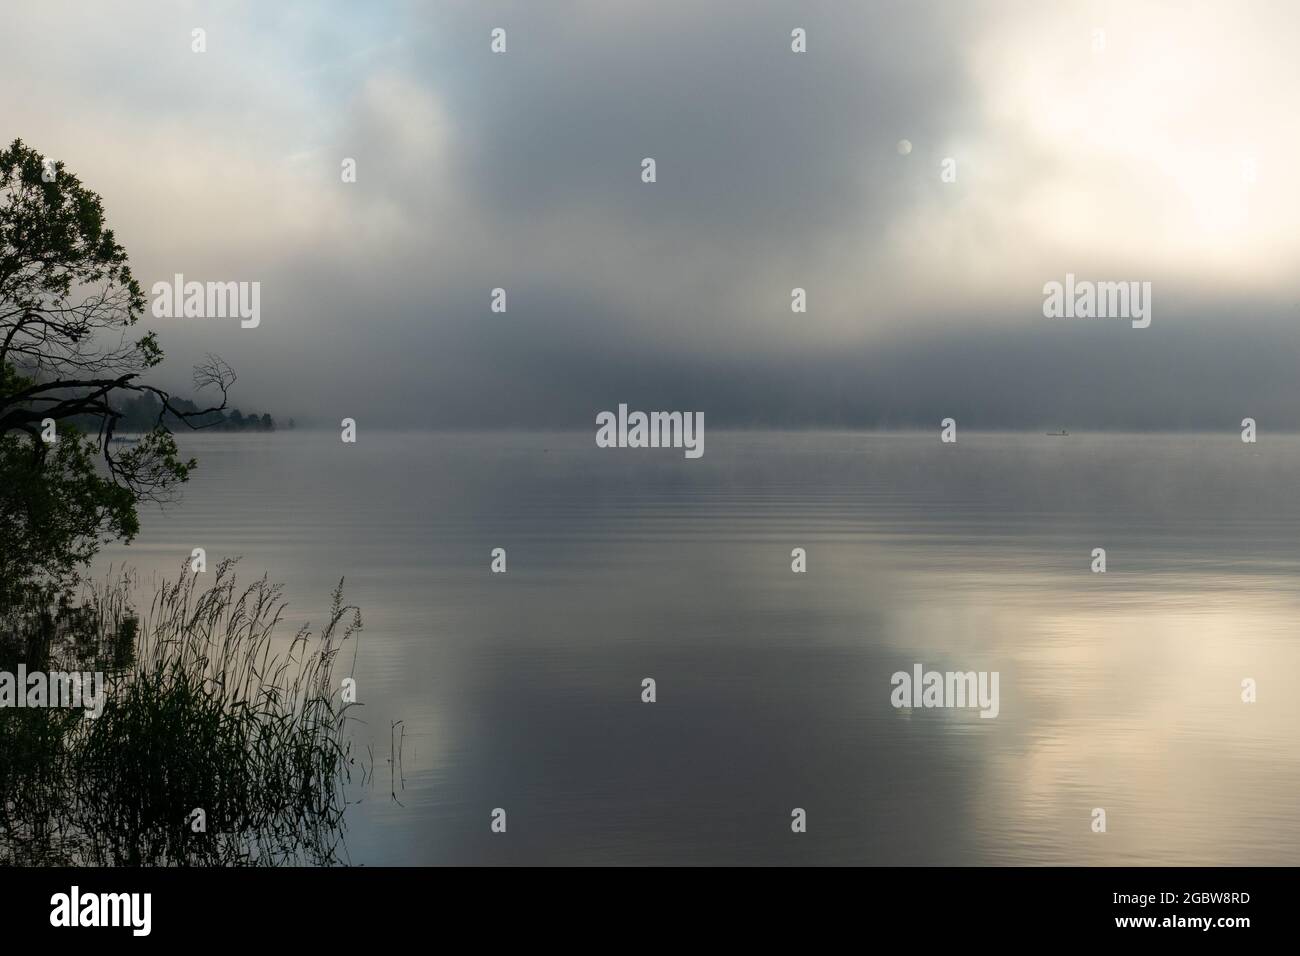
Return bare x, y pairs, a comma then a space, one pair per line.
1061, 434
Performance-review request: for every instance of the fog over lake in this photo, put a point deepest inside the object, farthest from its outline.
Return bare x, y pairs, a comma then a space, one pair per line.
522, 690
493, 242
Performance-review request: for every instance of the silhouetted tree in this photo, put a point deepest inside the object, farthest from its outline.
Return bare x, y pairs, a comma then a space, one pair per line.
67, 303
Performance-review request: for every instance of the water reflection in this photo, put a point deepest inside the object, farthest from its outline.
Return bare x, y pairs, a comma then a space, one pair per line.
1118, 690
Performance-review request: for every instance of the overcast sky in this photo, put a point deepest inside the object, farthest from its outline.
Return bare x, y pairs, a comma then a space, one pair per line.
1169, 156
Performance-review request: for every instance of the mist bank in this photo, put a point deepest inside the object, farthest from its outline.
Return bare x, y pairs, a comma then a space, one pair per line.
1105, 377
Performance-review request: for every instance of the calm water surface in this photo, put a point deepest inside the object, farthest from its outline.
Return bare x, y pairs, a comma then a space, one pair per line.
522, 691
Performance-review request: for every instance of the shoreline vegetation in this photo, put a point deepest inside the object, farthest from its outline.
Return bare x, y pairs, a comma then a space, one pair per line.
211, 740
142, 413
218, 742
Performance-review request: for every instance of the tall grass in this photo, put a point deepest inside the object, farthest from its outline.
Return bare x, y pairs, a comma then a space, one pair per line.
207, 711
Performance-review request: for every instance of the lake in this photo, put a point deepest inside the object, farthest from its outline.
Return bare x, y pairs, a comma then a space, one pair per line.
523, 691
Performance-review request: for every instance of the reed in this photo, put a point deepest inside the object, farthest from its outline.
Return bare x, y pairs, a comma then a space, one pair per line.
207, 710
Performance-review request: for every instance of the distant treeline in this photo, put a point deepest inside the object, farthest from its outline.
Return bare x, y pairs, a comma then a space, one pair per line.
140, 414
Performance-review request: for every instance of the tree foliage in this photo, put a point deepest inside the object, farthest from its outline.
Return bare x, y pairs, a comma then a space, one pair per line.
68, 305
